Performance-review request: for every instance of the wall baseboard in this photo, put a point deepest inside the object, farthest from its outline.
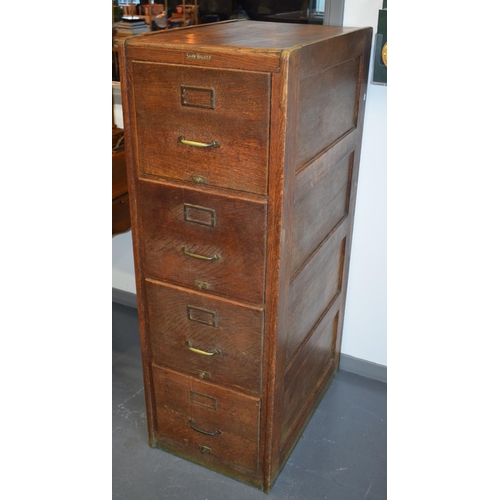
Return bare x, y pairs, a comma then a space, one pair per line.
347, 363
124, 298
363, 367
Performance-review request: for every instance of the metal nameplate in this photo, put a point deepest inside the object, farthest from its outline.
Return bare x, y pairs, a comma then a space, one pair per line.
198, 57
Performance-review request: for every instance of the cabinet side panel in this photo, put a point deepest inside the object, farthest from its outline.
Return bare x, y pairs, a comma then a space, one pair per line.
332, 88
328, 106
313, 291
321, 208
307, 370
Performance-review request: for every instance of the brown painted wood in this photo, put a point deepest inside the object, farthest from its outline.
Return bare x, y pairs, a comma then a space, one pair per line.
277, 210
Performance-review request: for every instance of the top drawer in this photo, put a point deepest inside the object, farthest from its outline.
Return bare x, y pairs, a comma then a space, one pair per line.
222, 116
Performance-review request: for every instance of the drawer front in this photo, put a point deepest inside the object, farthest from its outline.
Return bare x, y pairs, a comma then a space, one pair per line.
203, 241
202, 106
206, 337
210, 422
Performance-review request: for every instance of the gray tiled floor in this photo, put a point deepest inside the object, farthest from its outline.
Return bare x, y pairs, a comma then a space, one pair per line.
341, 455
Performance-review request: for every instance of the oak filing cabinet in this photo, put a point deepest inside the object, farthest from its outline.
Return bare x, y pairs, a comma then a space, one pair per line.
244, 141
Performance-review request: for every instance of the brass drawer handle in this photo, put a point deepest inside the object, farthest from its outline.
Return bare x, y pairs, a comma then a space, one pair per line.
199, 351
217, 431
213, 144
202, 257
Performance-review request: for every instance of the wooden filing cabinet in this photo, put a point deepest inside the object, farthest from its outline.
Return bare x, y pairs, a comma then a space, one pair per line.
243, 153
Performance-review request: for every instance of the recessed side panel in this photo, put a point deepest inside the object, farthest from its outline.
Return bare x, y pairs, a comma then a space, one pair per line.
328, 103
322, 207
305, 373
313, 291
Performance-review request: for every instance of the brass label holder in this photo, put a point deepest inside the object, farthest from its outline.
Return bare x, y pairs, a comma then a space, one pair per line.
199, 215
203, 316
197, 97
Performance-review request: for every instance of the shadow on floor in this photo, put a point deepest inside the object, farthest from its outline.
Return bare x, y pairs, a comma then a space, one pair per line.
341, 455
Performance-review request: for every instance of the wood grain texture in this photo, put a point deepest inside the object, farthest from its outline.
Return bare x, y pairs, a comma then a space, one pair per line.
238, 239
236, 417
248, 36
267, 61
210, 323
239, 122
278, 214
256, 46
281, 187
327, 54
313, 291
131, 162
328, 108
319, 210
308, 368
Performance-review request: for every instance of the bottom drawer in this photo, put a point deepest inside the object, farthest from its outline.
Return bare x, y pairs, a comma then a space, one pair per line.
210, 423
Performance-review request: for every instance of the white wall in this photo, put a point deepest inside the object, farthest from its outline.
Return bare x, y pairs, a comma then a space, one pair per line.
365, 322
123, 258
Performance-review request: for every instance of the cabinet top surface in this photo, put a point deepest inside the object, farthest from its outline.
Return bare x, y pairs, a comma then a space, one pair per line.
240, 35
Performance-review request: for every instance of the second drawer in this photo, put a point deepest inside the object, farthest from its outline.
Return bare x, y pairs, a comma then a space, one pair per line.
206, 337
204, 241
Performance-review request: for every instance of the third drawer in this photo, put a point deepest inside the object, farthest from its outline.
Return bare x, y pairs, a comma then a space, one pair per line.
209, 338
